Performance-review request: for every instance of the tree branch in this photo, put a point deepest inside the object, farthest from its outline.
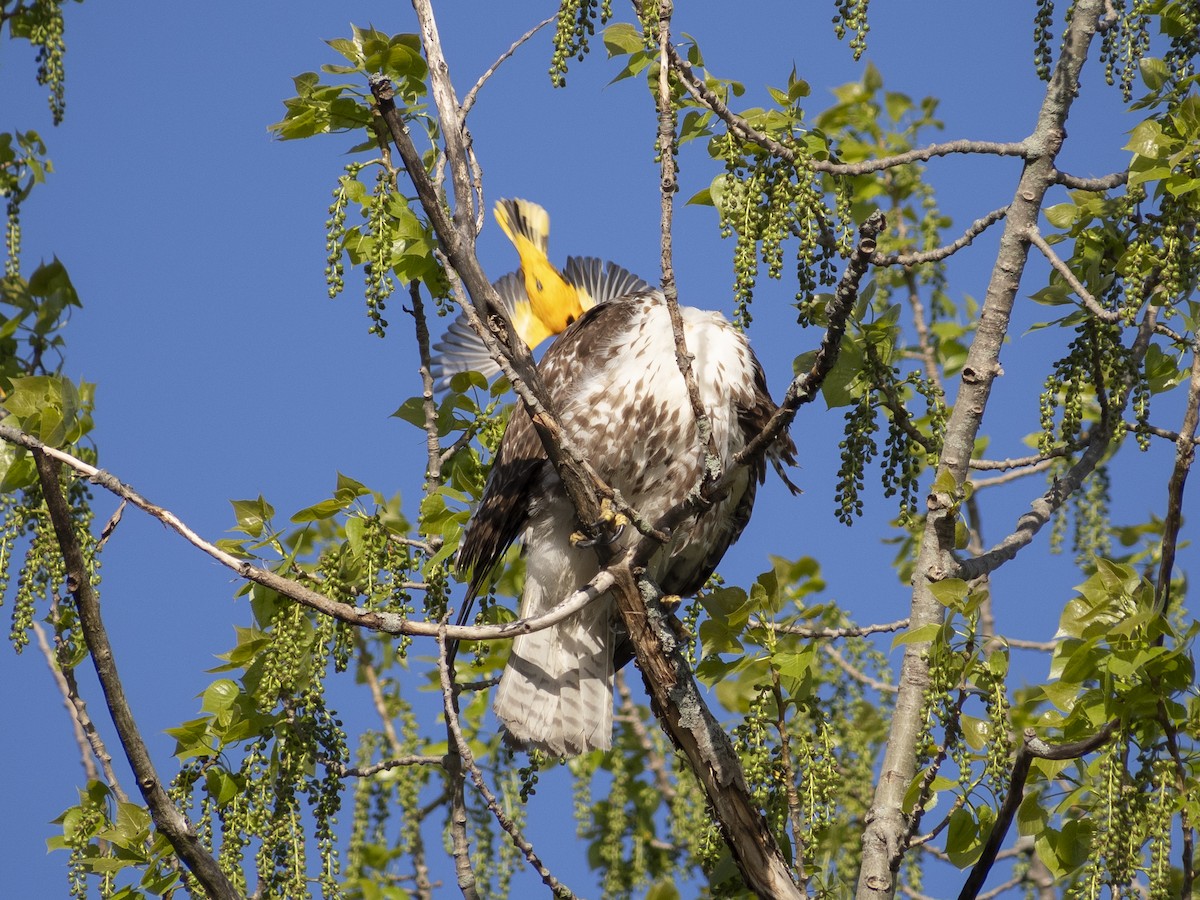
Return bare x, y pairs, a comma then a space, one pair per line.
1031, 748
375, 620
1093, 305
1185, 455
167, 818
1044, 507
887, 820
683, 714
741, 129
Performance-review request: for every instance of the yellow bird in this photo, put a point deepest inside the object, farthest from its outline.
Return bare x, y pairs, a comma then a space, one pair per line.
541, 301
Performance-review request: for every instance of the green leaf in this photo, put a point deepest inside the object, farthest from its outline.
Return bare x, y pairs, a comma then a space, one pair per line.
925, 633
1062, 215
252, 515
622, 39
1031, 817
220, 697
1147, 139
964, 841
950, 592
1154, 72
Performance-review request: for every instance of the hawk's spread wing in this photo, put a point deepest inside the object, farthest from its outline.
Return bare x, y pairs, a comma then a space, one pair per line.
540, 301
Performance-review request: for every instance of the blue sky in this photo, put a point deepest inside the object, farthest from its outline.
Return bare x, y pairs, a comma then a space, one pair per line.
196, 242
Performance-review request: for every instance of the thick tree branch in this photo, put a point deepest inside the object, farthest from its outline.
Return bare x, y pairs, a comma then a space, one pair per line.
887, 822
167, 818
677, 702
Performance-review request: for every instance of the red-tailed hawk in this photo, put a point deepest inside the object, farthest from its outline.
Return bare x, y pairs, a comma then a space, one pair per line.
613, 379
540, 301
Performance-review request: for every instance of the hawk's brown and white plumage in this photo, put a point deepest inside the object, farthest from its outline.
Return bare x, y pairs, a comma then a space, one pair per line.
613, 380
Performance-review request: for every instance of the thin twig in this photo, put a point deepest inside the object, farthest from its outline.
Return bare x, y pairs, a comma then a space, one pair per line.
433, 449
1185, 455
91, 747
915, 258
857, 674
740, 128
795, 808
706, 444
1093, 305
849, 631
468, 760
473, 93
386, 765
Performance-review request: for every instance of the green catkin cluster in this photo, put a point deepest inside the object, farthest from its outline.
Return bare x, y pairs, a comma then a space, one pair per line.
999, 751
764, 202
901, 469
1115, 819
576, 25
1097, 366
1121, 48
858, 448
364, 827
752, 739
45, 20
1162, 800
80, 827
816, 766
335, 231
1090, 512
377, 266
852, 16
1043, 37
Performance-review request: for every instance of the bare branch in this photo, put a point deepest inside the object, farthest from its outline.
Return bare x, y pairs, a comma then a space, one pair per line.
668, 185
976, 228
1103, 183
1042, 465
850, 631
858, 674
375, 620
1092, 304
91, 746
386, 765
741, 129
433, 467
473, 93
167, 818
